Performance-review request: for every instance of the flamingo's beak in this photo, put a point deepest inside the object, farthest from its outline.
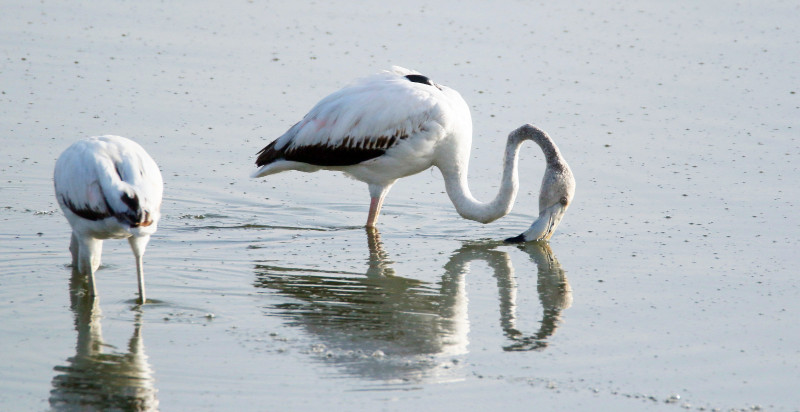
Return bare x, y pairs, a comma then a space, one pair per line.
544, 226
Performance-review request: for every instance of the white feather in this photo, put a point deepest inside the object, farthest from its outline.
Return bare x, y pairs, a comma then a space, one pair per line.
382, 105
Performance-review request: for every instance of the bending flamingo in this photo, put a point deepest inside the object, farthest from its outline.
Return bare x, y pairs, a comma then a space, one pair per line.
108, 188
397, 123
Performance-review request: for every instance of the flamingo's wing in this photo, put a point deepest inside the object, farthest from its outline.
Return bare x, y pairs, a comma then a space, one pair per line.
107, 176
358, 122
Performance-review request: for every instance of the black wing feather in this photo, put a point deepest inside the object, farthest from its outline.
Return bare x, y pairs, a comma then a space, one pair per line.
345, 154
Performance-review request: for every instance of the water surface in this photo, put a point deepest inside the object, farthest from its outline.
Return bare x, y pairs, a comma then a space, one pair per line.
670, 285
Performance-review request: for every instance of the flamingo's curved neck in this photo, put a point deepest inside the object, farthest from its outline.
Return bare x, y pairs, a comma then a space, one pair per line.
470, 208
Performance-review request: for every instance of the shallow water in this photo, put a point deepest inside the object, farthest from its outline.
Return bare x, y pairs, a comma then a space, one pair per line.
670, 284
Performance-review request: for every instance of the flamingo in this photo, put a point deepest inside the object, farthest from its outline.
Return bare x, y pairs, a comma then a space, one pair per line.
108, 188
398, 123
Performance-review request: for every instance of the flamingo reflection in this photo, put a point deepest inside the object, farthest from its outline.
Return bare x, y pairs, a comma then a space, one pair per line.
95, 378
373, 324
555, 293
411, 324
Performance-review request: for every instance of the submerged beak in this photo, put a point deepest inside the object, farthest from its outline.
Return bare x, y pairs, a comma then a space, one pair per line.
544, 227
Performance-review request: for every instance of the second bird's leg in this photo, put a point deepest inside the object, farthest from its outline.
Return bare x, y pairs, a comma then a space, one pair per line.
377, 192
374, 211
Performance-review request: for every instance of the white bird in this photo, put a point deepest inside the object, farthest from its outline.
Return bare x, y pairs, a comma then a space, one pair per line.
397, 123
108, 188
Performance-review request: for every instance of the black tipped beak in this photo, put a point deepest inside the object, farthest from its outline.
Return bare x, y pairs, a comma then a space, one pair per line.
516, 239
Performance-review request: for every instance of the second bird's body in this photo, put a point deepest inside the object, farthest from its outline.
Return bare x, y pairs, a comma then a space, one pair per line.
397, 123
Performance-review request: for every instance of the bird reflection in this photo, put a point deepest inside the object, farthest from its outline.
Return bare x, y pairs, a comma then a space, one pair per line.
410, 323
374, 324
555, 293
94, 380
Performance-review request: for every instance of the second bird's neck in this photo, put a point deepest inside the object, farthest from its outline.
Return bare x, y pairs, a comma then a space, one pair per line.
457, 185
468, 207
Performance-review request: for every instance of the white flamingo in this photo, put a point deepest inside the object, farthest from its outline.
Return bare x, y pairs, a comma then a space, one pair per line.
397, 123
108, 188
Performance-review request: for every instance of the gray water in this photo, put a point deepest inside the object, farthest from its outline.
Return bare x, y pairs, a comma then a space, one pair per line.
670, 285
